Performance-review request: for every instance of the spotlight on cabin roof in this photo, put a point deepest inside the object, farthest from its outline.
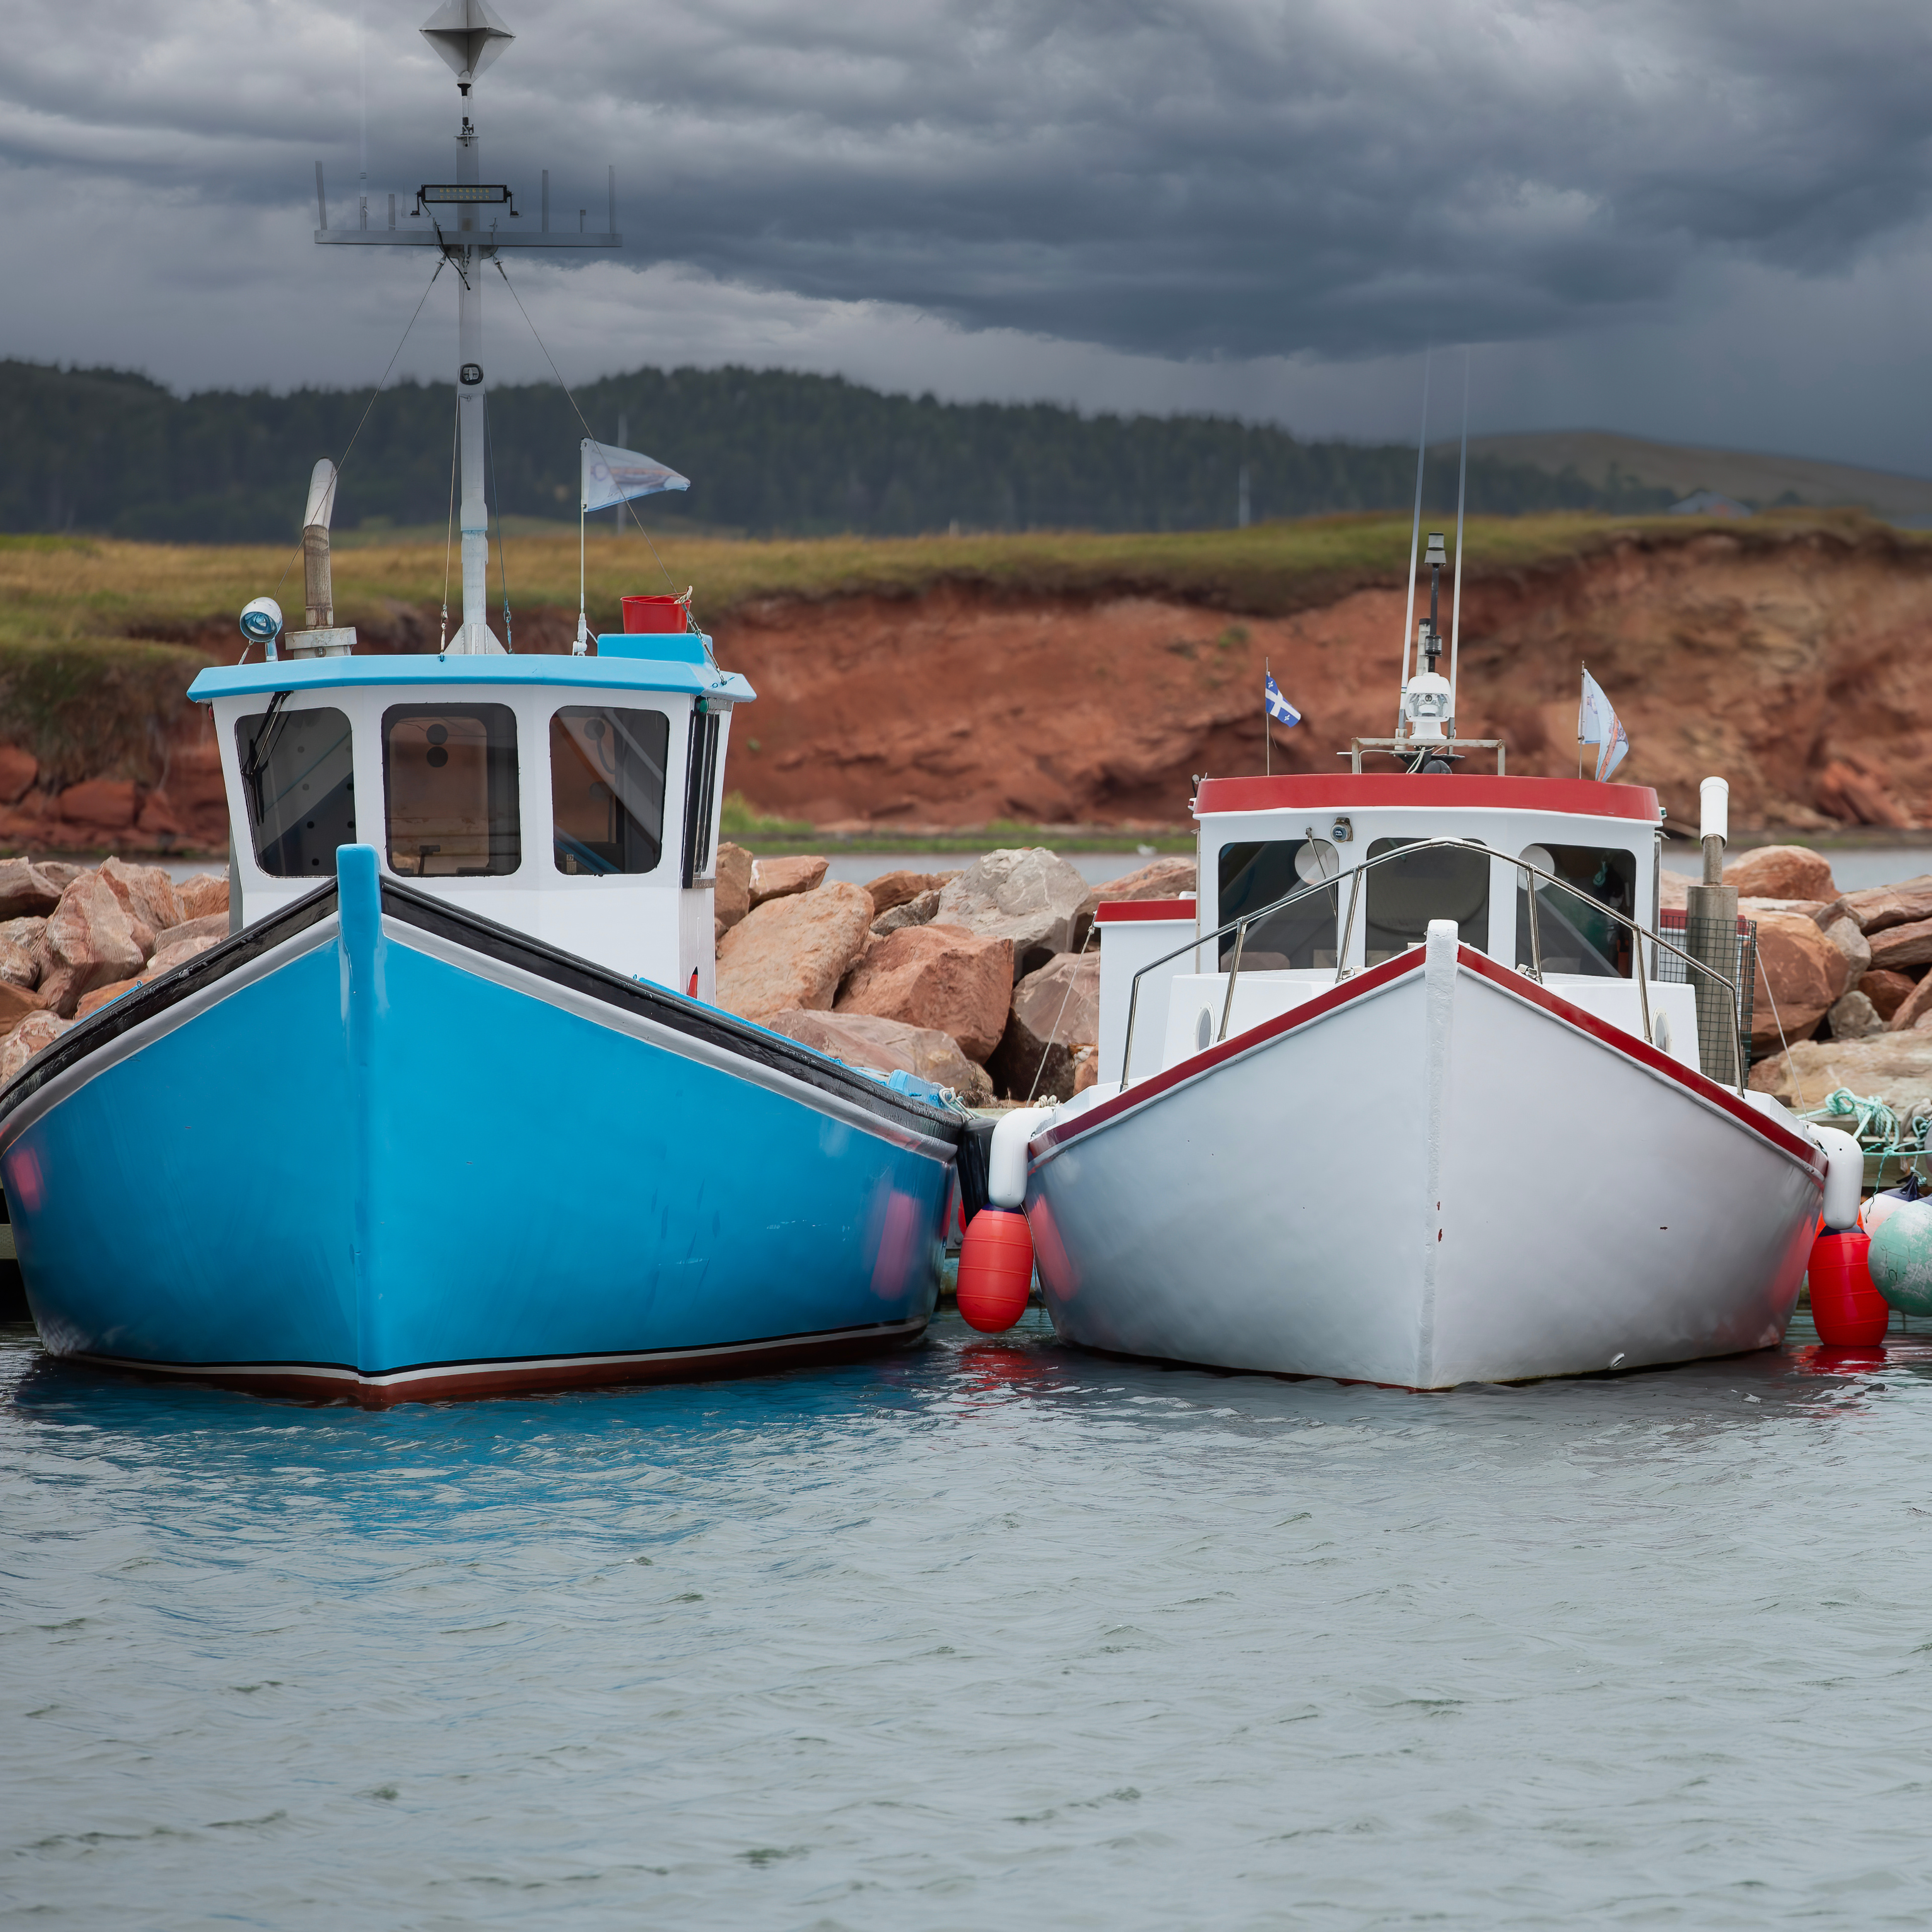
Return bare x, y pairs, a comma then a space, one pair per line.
1437, 557
469, 36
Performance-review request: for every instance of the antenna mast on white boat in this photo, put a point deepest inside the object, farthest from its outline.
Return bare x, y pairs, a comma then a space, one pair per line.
1415, 537
1461, 493
463, 221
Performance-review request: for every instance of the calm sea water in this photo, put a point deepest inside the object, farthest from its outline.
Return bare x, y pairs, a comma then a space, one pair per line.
986, 1634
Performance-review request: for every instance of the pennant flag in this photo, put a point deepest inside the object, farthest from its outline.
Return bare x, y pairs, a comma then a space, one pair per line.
616, 476
1279, 708
1597, 724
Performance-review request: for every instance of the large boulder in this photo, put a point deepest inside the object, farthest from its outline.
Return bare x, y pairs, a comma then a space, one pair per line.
920, 911
147, 892
1913, 1008
25, 887
90, 941
19, 965
1159, 879
1781, 872
1894, 1067
890, 1046
792, 952
1896, 946
1027, 895
177, 947
1055, 1011
894, 889
103, 996
35, 1031
1801, 975
1905, 904
1673, 890
731, 895
939, 976
1843, 933
202, 894
16, 1002
780, 878
1888, 991
1854, 1017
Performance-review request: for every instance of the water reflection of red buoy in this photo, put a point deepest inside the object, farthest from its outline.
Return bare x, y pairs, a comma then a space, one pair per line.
995, 1270
1848, 1311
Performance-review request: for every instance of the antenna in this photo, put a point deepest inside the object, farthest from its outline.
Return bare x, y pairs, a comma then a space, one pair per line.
1415, 537
469, 36
1462, 491
470, 221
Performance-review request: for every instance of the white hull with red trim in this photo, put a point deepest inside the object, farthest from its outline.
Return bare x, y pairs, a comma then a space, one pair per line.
1437, 1172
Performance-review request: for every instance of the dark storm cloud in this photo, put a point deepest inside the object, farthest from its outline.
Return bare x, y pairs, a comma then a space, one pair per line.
1209, 179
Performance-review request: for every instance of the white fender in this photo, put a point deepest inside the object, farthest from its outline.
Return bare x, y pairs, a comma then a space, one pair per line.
1845, 1179
1007, 1159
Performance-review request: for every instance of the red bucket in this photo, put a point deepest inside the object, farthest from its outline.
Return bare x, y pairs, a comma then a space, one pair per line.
653, 614
1849, 1311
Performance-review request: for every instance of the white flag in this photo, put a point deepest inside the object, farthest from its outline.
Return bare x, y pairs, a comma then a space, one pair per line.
616, 476
1597, 724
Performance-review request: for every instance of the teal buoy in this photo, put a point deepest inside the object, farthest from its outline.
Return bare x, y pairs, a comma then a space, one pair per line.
1901, 1258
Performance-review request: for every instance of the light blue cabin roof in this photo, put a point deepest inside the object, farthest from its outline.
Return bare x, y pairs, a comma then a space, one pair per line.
675, 664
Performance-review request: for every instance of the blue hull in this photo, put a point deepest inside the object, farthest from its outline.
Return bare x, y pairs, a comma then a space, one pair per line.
379, 1150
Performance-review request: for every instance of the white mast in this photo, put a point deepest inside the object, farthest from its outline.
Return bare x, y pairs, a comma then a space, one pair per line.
464, 219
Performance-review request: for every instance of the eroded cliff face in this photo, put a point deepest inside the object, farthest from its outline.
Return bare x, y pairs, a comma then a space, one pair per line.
1789, 666
1787, 661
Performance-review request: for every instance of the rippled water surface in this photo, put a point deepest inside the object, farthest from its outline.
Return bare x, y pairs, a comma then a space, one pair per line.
983, 1635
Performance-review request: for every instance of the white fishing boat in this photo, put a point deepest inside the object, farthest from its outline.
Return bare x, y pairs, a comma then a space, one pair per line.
1418, 1091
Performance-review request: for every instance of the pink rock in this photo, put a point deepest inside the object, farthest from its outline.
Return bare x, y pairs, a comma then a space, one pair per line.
202, 895
779, 878
1801, 976
895, 889
1782, 872
37, 1030
176, 949
25, 887
147, 892
792, 953
1055, 1011
731, 895
18, 965
89, 941
102, 996
936, 976
865, 1039
16, 1002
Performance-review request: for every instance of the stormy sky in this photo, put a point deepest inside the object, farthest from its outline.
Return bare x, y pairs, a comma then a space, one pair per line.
1700, 221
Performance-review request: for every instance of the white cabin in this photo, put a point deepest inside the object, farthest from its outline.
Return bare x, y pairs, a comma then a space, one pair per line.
1260, 838
574, 799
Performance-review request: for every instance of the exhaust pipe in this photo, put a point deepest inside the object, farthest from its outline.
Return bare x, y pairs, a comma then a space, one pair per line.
321, 638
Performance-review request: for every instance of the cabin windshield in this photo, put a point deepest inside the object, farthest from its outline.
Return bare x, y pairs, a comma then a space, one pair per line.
1437, 882
1574, 928
449, 772
299, 787
1257, 875
607, 780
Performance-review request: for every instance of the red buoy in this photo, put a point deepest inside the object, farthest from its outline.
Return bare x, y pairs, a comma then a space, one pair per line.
995, 1270
1849, 1311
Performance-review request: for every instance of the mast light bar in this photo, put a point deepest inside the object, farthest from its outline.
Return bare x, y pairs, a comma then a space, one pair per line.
463, 191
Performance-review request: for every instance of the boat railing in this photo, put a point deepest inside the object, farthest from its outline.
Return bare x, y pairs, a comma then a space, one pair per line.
1696, 968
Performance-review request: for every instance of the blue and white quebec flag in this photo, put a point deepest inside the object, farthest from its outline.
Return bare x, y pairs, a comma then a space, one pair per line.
1598, 725
1279, 708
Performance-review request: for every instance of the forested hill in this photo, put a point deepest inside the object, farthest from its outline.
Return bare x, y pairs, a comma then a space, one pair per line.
769, 453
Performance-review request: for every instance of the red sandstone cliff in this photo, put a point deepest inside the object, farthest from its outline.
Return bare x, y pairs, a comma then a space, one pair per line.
1786, 660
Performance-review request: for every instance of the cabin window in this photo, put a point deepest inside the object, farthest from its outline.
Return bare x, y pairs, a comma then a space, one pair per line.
1401, 896
1574, 922
607, 787
298, 786
450, 774
1255, 875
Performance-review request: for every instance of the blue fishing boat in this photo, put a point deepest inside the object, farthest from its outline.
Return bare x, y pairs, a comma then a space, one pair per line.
450, 1111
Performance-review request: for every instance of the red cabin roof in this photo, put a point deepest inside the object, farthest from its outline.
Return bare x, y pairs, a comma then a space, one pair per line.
1472, 791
